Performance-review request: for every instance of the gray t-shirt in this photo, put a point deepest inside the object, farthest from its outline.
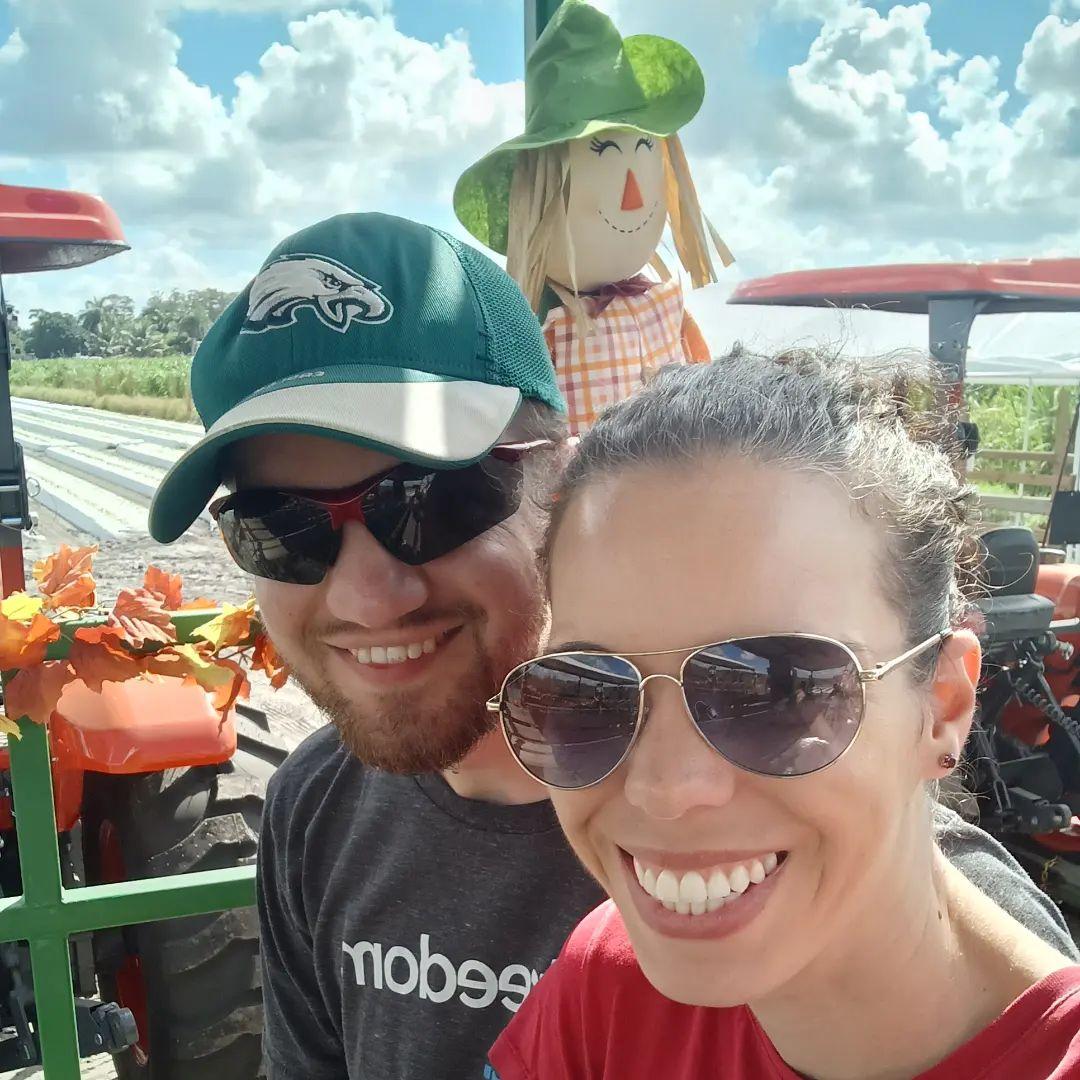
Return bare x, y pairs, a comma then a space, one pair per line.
402, 926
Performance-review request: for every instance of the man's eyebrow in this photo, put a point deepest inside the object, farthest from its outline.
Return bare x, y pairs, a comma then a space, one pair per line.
578, 646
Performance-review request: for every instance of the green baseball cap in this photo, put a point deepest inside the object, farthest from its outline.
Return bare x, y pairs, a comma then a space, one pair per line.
581, 77
369, 329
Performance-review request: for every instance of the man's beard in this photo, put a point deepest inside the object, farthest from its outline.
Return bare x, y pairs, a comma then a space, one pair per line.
399, 732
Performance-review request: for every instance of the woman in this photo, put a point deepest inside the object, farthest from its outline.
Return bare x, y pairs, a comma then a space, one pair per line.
759, 665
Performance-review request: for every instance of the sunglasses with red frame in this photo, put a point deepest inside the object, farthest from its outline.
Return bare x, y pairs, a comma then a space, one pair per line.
416, 512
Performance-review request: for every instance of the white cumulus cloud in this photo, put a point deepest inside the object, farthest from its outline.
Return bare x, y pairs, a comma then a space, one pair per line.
875, 145
347, 113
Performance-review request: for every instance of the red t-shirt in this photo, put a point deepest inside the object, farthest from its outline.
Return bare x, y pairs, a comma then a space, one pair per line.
594, 1016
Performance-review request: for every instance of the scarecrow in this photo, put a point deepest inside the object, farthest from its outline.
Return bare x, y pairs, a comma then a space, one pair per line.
578, 204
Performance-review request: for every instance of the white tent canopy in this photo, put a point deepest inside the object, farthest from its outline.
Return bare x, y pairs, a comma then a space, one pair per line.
1035, 347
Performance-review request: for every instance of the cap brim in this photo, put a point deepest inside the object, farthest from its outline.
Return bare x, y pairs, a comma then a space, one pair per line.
419, 418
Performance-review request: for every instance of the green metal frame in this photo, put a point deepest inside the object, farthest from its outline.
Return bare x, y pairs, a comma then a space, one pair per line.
47, 914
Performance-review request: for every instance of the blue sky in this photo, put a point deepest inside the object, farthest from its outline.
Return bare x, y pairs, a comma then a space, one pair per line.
834, 131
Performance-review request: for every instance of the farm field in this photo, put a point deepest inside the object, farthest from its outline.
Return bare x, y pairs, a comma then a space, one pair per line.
143, 386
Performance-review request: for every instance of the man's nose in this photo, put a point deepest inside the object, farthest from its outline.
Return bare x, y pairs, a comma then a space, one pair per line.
368, 585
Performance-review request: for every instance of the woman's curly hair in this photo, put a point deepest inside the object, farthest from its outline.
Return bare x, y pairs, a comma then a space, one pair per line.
878, 426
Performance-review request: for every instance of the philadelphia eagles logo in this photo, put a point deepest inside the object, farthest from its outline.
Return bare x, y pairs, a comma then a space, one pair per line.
337, 295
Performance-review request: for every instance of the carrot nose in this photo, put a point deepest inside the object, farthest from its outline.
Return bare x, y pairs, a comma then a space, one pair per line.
631, 193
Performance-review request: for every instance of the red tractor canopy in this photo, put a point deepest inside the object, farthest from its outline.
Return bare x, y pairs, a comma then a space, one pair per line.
41, 229
951, 294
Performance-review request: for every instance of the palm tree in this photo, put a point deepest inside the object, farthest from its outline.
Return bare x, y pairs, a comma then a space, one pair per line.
107, 322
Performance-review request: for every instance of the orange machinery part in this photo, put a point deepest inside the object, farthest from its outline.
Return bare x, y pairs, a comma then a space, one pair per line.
138, 726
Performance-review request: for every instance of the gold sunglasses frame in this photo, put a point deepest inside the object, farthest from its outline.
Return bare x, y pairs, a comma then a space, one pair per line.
865, 675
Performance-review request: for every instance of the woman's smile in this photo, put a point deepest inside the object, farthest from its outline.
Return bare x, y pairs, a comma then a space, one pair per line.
701, 895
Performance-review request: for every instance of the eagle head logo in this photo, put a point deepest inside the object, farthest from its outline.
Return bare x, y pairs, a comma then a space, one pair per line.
336, 294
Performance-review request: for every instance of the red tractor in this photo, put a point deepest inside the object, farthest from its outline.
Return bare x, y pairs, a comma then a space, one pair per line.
148, 781
1023, 758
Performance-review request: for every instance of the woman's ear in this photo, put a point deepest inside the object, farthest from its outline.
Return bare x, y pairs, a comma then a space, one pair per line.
953, 703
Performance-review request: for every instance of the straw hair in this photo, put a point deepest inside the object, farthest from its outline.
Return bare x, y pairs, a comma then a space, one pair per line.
690, 228
539, 192
539, 196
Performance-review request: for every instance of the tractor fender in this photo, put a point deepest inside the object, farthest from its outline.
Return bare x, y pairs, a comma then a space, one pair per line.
139, 726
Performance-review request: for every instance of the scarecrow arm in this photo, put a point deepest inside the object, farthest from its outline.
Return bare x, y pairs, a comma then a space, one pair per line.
694, 345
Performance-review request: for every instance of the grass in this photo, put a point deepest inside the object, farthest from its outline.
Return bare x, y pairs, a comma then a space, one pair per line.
160, 408
120, 376
141, 386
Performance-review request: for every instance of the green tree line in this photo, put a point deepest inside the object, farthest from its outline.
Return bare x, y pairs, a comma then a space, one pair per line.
169, 323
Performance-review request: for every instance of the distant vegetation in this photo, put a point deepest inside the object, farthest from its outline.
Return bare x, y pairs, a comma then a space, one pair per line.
145, 386
168, 324
999, 411
109, 356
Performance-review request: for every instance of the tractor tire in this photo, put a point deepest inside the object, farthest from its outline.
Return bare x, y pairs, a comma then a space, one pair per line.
200, 975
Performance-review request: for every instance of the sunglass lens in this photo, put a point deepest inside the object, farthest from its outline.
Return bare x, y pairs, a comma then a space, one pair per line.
282, 537
782, 706
419, 514
570, 718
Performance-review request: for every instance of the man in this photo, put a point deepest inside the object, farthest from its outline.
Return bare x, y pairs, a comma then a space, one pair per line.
376, 397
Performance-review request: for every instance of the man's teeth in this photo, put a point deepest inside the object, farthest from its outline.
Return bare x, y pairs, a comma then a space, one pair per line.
395, 654
699, 891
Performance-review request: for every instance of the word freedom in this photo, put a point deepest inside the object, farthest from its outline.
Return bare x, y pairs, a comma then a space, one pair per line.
476, 985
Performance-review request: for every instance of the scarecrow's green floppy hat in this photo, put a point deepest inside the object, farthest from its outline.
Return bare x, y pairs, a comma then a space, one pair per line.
580, 78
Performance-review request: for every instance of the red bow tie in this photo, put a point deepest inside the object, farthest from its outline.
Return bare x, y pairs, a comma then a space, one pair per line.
600, 298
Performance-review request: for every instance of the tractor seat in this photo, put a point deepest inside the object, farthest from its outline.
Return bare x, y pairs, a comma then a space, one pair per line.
1014, 618
1010, 563
1060, 583
1010, 567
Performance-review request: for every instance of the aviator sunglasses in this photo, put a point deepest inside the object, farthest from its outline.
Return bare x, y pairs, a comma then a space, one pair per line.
777, 705
417, 513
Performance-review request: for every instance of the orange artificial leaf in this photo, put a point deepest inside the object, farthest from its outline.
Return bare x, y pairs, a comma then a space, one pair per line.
225, 696
65, 579
266, 658
196, 661
94, 635
231, 627
168, 588
35, 691
139, 613
101, 657
225, 680
200, 603
167, 662
23, 644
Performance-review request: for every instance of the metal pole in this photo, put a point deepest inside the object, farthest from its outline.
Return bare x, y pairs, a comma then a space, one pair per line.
537, 15
42, 886
12, 572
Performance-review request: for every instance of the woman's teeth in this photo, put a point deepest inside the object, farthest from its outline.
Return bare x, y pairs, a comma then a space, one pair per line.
698, 892
395, 654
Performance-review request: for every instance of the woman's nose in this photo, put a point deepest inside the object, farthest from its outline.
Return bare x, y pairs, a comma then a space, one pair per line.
672, 770
368, 585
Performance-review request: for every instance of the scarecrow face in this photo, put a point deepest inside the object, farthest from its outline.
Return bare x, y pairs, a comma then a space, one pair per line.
616, 210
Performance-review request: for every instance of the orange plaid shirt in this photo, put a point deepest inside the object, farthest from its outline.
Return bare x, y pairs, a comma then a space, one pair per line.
630, 339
